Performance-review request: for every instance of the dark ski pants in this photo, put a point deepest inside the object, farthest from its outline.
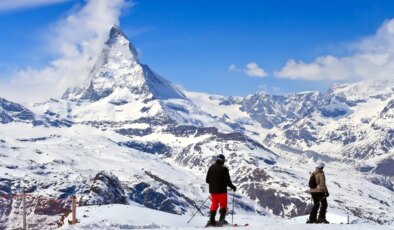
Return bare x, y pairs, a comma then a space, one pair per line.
319, 200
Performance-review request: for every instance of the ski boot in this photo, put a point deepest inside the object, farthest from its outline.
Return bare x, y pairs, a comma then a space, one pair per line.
222, 222
322, 221
212, 222
311, 221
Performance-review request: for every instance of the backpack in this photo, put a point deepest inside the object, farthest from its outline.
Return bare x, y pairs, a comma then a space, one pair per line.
312, 181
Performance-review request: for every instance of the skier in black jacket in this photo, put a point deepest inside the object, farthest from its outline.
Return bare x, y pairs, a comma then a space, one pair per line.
218, 179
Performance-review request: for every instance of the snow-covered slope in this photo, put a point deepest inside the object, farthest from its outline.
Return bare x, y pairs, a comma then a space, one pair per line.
56, 163
134, 217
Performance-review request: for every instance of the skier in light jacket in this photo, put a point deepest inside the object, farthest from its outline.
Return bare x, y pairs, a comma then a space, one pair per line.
319, 196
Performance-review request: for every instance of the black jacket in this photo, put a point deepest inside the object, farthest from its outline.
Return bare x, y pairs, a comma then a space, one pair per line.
218, 178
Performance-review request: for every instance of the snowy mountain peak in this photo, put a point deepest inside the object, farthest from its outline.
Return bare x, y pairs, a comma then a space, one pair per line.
117, 39
261, 93
118, 75
364, 90
116, 32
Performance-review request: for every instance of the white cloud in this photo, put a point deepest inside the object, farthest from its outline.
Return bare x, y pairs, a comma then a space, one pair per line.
254, 70
78, 40
7, 5
232, 68
270, 89
372, 58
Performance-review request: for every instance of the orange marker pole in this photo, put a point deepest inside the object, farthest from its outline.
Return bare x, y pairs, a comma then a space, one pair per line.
24, 210
74, 209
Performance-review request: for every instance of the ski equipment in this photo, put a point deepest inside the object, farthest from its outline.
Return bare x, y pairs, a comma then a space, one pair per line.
222, 219
322, 221
229, 225
232, 214
301, 203
199, 209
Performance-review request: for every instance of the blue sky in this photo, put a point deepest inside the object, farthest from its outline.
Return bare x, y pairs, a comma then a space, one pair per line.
193, 43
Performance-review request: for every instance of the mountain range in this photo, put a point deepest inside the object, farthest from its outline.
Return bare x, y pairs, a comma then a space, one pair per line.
128, 136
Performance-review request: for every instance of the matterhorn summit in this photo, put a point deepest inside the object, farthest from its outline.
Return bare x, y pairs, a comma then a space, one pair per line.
121, 89
118, 71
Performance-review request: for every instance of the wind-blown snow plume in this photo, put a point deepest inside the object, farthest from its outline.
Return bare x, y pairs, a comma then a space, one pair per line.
78, 39
373, 59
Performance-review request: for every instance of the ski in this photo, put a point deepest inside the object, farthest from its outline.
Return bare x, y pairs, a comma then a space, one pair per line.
228, 226
240, 225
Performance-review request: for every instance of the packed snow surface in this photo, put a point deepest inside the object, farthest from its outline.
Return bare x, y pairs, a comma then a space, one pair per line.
135, 217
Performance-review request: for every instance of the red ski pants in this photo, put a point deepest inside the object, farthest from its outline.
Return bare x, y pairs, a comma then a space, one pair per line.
218, 200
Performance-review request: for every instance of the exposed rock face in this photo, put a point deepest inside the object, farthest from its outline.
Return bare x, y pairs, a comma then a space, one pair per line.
10, 112
149, 147
5, 202
106, 189
161, 195
272, 110
152, 192
13, 112
386, 168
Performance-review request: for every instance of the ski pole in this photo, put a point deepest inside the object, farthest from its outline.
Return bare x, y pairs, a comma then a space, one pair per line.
198, 209
232, 215
302, 202
318, 203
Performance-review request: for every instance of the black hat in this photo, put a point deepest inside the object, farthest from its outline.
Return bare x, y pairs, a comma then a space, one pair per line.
221, 158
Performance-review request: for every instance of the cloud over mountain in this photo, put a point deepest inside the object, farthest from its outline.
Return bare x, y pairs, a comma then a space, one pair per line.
77, 40
373, 58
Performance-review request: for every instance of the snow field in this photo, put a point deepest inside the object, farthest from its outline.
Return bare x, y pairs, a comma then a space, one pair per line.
111, 217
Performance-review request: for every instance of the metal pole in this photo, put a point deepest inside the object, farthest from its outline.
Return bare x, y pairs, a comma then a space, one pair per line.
198, 209
74, 209
232, 215
24, 210
289, 212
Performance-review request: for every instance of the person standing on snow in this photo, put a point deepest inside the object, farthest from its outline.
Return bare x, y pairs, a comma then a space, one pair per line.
319, 196
218, 178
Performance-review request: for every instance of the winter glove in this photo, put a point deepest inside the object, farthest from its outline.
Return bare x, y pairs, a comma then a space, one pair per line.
327, 194
234, 188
